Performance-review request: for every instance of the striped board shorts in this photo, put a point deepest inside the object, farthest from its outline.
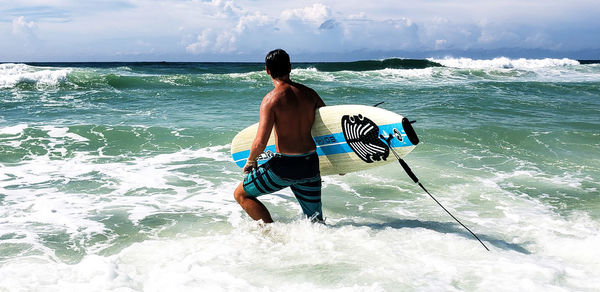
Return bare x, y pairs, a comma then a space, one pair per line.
299, 172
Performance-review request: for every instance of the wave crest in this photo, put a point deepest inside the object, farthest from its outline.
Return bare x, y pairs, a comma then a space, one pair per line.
12, 75
504, 63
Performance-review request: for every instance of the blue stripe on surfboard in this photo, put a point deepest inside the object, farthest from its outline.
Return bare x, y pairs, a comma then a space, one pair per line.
331, 144
389, 129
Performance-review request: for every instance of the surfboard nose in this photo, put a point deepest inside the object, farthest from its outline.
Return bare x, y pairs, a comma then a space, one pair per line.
410, 131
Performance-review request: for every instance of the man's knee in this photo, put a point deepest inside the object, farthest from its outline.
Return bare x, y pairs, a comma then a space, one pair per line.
239, 194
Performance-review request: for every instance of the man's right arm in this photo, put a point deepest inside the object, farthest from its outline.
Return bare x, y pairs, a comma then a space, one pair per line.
265, 127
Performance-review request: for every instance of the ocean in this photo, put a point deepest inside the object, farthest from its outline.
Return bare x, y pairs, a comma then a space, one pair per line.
118, 177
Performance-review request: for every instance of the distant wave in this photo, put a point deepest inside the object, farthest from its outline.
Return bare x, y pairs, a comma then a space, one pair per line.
371, 65
82, 76
504, 63
587, 62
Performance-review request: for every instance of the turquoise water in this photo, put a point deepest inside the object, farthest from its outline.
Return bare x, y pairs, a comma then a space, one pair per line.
117, 176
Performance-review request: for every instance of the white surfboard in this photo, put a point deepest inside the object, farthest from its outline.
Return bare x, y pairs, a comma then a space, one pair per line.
349, 138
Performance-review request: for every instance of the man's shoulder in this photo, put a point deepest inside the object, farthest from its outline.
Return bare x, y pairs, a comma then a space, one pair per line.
281, 92
273, 96
303, 87
275, 93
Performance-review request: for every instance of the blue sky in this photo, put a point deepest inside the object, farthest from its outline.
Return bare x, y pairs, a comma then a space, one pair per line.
244, 30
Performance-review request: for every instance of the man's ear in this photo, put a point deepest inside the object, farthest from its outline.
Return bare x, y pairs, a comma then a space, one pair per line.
268, 72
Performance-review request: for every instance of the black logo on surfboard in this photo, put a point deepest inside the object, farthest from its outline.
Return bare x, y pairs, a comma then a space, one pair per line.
362, 135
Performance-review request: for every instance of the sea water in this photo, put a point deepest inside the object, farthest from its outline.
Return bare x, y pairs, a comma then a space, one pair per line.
118, 176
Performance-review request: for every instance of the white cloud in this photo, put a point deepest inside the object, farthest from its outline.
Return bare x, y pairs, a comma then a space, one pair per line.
252, 30
210, 41
224, 8
225, 42
316, 13
202, 43
226, 39
22, 27
253, 21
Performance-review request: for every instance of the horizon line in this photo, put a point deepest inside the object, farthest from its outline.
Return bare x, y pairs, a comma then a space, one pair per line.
582, 61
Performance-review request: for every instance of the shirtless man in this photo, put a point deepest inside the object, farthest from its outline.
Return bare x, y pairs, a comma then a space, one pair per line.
289, 109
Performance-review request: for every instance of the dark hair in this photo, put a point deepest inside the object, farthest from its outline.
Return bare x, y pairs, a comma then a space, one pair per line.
278, 63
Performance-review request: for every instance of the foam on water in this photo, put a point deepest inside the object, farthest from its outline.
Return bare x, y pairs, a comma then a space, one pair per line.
505, 63
518, 70
340, 257
13, 130
313, 73
46, 195
13, 74
409, 244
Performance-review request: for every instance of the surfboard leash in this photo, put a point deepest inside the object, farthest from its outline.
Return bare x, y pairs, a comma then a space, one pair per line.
412, 175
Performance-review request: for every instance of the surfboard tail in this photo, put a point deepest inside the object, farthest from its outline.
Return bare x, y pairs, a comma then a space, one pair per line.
410, 131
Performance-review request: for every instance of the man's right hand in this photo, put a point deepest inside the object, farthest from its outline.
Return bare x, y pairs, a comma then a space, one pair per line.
250, 165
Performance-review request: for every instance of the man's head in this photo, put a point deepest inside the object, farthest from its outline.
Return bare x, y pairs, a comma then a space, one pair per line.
278, 63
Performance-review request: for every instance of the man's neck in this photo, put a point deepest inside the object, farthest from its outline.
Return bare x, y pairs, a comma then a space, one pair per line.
281, 80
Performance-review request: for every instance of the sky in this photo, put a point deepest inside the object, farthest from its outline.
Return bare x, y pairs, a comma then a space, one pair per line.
336, 30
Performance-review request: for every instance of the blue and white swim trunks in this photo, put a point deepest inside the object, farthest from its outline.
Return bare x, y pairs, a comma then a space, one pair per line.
299, 172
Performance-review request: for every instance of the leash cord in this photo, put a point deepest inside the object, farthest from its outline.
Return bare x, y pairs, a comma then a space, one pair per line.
416, 180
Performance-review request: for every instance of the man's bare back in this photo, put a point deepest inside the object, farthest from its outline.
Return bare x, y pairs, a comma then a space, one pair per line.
293, 108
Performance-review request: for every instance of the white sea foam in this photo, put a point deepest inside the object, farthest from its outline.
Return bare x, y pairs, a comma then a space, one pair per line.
13, 130
300, 255
253, 76
13, 74
532, 248
313, 73
505, 69
47, 205
504, 63
63, 132
305, 70
404, 242
407, 73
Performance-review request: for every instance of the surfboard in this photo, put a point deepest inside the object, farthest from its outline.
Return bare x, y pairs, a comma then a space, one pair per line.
349, 138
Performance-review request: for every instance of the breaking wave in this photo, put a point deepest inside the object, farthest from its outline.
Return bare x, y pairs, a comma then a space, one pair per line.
12, 75
504, 63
